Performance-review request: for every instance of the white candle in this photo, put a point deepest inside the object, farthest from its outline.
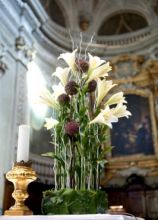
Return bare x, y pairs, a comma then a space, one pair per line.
23, 143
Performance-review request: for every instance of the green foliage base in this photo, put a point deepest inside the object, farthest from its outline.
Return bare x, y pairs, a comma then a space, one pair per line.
70, 201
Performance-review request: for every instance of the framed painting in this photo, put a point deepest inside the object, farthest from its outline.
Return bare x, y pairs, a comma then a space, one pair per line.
137, 135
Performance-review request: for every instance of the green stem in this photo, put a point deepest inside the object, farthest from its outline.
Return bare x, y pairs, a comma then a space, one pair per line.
97, 169
82, 173
55, 162
71, 165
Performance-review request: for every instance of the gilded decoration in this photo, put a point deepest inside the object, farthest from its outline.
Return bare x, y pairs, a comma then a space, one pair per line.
142, 72
139, 78
20, 175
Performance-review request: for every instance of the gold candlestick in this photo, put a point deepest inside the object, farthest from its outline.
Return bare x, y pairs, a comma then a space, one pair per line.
20, 175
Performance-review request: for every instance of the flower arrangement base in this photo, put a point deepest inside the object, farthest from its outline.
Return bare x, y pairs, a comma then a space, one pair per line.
71, 201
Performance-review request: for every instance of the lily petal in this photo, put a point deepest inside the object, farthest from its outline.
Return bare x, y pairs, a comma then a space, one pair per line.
98, 119
94, 62
121, 111
50, 123
106, 117
100, 71
58, 90
103, 87
116, 99
48, 99
62, 74
69, 58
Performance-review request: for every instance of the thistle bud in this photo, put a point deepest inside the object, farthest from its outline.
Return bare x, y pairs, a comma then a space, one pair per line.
92, 85
63, 99
71, 88
71, 128
82, 65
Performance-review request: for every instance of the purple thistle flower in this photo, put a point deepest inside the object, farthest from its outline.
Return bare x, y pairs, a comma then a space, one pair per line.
92, 85
71, 88
82, 65
71, 128
63, 99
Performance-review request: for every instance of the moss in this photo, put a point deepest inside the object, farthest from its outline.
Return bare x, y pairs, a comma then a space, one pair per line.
70, 201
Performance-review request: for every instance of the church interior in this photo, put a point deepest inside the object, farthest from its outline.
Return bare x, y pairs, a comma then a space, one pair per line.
33, 33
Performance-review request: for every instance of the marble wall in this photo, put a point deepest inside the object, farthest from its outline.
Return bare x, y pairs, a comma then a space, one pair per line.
16, 50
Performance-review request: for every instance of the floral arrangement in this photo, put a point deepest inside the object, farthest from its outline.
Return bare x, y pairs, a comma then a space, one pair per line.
85, 111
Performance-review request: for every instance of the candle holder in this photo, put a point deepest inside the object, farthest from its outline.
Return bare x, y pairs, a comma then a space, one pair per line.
20, 175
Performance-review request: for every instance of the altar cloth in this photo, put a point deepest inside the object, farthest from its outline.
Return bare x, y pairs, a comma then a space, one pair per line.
71, 217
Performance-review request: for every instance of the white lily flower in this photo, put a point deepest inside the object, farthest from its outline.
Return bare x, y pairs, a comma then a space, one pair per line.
106, 117
116, 99
100, 71
62, 74
69, 58
94, 62
50, 123
58, 90
103, 87
121, 111
47, 98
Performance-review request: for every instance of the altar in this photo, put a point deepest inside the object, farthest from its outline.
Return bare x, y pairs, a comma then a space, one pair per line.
72, 217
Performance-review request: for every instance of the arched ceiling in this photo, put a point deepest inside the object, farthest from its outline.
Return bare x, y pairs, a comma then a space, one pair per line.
105, 17
122, 23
